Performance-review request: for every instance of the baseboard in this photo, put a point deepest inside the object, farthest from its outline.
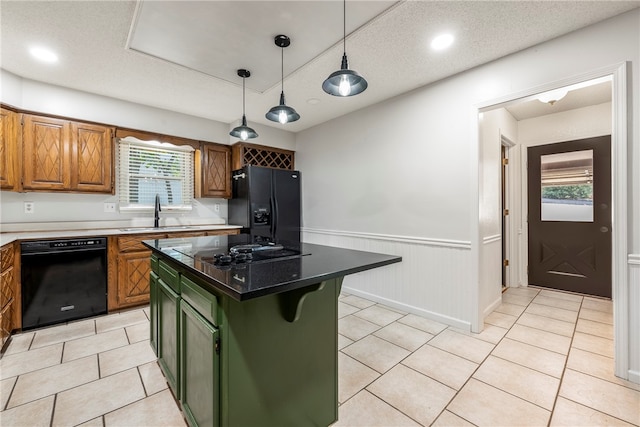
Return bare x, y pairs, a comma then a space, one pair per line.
495, 304
634, 376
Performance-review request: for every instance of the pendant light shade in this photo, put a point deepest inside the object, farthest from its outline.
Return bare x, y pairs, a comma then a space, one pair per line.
281, 112
243, 131
344, 82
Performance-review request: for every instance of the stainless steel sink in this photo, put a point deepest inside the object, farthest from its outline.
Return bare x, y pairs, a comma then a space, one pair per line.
166, 228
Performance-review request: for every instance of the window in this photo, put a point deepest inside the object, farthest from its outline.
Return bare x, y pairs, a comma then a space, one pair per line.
147, 168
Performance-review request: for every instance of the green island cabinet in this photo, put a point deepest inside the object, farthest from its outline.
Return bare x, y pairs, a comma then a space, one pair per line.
236, 356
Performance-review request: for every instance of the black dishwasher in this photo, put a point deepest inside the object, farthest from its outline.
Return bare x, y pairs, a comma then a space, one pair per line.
63, 280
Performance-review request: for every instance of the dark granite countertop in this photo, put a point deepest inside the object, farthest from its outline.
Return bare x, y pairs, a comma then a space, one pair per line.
258, 278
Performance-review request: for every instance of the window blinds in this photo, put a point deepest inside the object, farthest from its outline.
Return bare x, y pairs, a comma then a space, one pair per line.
147, 168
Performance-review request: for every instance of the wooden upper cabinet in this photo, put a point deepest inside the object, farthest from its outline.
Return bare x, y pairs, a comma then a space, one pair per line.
261, 155
60, 155
9, 135
216, 174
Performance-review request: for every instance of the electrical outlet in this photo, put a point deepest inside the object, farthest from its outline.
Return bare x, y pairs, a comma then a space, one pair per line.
28, 207
109, 207
216, 207
216, 242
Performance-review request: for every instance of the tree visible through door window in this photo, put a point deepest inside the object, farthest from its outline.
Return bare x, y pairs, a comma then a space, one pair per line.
149, 168
567, 186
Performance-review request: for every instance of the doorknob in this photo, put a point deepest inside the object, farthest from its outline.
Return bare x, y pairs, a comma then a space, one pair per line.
604, 229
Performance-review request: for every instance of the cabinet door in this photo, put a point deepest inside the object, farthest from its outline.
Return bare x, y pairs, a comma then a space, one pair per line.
216, 161
46, 157
153, 312
8, 149
91, 158
168, 321
133, 278
6, 316
7, 277
199, 368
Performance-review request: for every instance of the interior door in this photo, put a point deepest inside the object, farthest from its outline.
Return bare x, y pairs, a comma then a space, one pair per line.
569, 198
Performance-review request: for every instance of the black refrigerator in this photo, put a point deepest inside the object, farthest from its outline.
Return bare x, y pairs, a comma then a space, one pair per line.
266, 203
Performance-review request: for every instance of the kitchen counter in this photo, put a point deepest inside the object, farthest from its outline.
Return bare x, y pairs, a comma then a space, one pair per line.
314, 264
70, 233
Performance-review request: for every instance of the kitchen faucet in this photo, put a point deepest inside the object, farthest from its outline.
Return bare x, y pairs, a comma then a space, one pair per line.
156, 212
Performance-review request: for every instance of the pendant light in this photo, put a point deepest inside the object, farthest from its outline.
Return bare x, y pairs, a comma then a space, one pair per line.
282, 113
344, 82
243, 131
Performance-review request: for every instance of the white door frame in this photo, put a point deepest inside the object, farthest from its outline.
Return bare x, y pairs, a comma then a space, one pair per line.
619, 138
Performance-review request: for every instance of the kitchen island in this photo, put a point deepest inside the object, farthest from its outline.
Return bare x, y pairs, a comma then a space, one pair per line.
251, 342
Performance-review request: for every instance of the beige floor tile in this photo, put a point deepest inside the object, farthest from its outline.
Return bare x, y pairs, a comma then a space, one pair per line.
6, 386
376, 353
21, 363
462, 345
54, 379
62, 333
123, 358
94, 344
490, 333
139, 332
96, 422
557, 302
442, 366
427, 325
547, 324
152, 378
537, 358
511, 309
561, 295
523, 291
516, 299
357, 301
356, 328
19, 342
543, 339
353, 377
120, 320
34, 414
597, 366
530, 385
601, 395
484, 405
403, 335
592, 343
596, 316
158, 410
552, 312
599, 329
91, 400
345, 309
379, 315
366, 410
501, 320
597, 304
416, 395
343, 342
449, 419
570, 414
147, 312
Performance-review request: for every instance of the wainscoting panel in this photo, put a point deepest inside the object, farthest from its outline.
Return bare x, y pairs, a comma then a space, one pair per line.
634, 318
433, 279
490, 274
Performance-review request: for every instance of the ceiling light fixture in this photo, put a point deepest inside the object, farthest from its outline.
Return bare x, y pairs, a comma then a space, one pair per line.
344, 82
43, 54
553, 96
243, 131
282, 113
442, 42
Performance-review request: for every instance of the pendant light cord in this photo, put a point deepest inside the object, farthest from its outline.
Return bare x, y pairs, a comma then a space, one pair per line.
344, 26
282, 68
243, 112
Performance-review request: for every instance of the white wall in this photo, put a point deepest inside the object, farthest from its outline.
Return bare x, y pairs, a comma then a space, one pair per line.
43, 98
405, 169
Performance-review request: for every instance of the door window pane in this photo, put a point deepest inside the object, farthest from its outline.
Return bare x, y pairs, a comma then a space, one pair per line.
567, 186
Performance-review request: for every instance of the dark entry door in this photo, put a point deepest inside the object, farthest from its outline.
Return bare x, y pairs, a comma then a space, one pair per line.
570, 216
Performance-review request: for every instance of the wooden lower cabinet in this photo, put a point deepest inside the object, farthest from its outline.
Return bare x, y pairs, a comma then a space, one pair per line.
8, 292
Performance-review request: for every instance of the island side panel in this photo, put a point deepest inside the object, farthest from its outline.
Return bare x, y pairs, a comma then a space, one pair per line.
276, 372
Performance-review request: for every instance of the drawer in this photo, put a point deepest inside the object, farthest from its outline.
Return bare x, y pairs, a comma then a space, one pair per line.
205, 303
133, 242
169, 276
154, 263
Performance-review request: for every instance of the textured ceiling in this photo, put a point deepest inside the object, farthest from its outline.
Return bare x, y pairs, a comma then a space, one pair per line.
391, 50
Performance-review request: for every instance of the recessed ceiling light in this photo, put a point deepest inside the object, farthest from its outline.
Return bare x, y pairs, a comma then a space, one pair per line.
43, 54
313, 101
441, 42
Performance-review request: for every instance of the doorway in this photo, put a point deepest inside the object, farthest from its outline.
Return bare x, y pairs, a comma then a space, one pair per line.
569, 212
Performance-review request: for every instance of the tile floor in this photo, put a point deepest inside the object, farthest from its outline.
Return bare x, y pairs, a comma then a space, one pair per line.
544, 358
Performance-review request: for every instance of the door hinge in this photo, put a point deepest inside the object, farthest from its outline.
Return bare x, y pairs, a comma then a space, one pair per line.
506, 212
505, 262
217, 346
505, 162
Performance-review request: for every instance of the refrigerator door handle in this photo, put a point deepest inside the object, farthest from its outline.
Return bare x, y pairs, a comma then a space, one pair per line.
274, 217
